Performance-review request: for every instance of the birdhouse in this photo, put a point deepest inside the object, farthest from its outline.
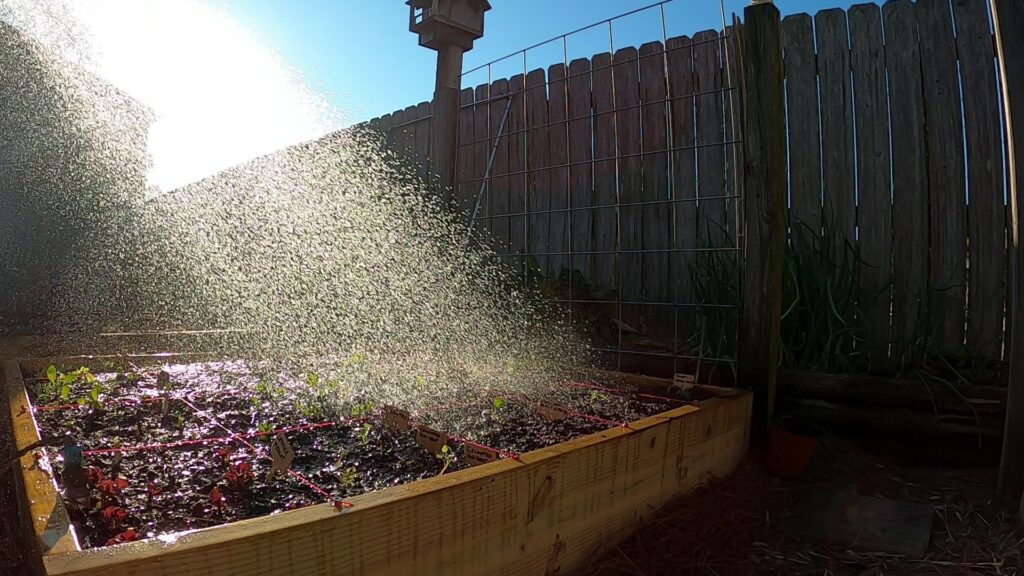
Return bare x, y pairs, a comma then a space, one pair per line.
441, 22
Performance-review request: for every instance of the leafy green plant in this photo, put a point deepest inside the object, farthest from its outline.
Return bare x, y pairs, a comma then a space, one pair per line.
499, 403
822, 321
93, 398
269, 389
59, 384
447, 456
362, 409
265, 429
597, 397
349, 477
715, 281
364, 435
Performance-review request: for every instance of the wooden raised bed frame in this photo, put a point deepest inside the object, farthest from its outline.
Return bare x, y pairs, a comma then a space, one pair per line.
548, 513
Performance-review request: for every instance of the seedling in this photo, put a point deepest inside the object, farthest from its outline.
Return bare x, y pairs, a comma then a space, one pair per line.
129, 535
58, 384
93, 398
217, 498
112, 486
239, 476
114, 516
265, 429
597, 396
354, 360
349, 478
447, 456
309, 410
364, 436
499, 403
313, 379
268, 389
364, 409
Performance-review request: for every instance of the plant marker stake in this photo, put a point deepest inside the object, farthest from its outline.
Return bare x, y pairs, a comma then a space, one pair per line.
116, 445
292, 473
282, 454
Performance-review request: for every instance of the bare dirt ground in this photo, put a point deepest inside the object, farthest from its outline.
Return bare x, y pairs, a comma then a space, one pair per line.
736, 525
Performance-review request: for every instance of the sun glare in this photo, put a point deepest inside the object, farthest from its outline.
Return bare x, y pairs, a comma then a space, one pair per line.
219, 94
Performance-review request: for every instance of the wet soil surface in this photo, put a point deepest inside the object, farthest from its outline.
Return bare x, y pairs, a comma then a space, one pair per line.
196, 449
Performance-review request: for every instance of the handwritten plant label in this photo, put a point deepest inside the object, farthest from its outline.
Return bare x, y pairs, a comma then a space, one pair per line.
684, 381
550, 414
282, 454
431, 439
477, 455
396, 419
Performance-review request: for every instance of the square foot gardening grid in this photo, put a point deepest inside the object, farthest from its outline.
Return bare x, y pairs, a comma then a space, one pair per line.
162, 458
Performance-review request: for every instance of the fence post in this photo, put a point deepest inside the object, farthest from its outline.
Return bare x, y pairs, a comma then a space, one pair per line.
764, 181
1009, 29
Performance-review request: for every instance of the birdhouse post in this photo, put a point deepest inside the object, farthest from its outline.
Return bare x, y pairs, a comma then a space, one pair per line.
449, 27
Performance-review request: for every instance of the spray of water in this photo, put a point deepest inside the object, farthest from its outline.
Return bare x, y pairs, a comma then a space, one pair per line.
328, 257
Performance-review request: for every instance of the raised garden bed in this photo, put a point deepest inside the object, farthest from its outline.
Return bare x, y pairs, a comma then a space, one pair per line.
179, 472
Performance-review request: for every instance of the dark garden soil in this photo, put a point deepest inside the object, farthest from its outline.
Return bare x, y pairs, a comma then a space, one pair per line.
196, 454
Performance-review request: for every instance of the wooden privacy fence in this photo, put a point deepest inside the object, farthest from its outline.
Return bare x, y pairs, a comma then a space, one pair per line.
625, 167
621, 167
895, 138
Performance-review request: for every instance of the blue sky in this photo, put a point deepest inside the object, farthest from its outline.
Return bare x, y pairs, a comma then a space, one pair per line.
363, 56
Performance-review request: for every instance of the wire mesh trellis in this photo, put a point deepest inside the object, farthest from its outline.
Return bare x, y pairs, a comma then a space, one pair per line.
611, 182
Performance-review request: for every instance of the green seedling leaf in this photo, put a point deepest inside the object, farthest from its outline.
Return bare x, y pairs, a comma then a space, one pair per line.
499, 403
51, 374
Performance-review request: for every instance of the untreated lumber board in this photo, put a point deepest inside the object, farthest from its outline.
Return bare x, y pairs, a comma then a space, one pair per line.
910, 179
986, 213
544, 513
946, 195
50, 520
802, 122
874, 209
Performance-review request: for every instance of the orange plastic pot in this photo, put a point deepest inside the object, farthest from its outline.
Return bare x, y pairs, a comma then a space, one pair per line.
790, 451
